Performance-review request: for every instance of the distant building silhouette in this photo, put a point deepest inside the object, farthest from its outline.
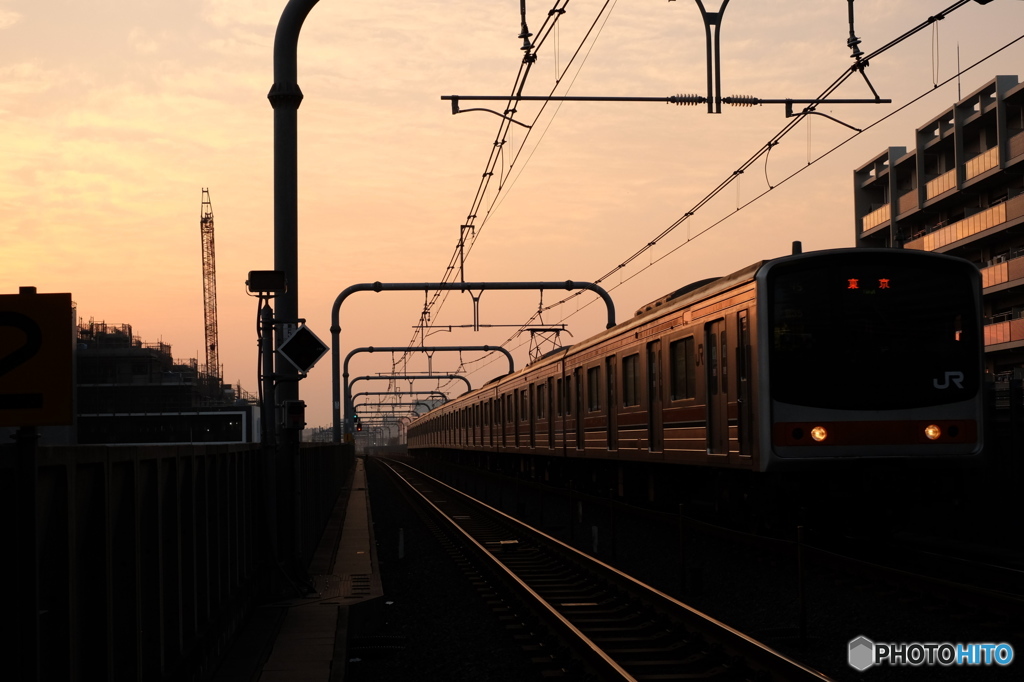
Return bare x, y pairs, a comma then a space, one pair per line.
131, 392
961, 192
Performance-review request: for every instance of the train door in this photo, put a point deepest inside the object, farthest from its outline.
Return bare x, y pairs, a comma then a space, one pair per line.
549, 392
611, 403
560, 414
718, 387
532, 407
577, 380
745, 403
490, 422
502, 402
516, 416
507, 433
655, 442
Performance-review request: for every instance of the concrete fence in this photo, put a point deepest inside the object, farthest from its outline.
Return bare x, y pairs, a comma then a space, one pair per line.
142, 562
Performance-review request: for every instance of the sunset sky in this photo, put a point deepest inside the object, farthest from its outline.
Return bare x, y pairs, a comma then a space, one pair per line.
116, 113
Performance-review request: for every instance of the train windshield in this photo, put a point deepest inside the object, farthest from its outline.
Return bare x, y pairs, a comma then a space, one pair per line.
873, 331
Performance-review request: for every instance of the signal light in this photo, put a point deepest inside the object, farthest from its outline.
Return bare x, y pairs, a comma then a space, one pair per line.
819, 433
932, 432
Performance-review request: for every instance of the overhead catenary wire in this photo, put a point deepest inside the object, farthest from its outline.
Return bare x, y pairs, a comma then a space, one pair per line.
775, 140
786, 179
436, 302
750, 202
478, 201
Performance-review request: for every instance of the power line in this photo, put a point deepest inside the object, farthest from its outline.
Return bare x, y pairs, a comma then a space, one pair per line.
504, 129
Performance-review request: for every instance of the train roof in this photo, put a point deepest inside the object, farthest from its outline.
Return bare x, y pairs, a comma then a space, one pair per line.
680, 298
692, 286
695, 291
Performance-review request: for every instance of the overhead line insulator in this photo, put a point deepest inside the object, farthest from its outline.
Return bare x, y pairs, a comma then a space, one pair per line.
688, 100
741, 100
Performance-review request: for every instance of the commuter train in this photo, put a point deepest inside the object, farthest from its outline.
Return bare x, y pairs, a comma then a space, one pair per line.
790, 364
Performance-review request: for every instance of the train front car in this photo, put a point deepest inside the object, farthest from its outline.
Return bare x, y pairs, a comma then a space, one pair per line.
870, 354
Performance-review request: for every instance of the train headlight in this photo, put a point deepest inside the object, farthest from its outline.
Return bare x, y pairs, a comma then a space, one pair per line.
819, 433
932, 432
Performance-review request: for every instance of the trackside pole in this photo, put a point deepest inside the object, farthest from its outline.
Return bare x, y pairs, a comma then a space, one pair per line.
285, 98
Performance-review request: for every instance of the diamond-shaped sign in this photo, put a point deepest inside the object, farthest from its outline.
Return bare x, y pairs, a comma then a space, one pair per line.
303, 349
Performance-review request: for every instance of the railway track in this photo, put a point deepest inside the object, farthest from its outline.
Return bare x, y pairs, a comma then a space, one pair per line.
980, 583
616, 627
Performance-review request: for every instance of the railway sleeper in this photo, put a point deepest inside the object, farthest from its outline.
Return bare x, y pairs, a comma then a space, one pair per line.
657, 642
631, 615
572, 596
717, 672
582, 612
533, 565
650, 628
679, 648
546, 578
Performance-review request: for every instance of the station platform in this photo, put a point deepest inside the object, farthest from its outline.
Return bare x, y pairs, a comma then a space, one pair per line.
311, 642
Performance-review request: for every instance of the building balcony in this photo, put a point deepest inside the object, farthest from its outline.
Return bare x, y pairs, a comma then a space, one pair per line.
1016, 145
987, 160
1005, 331
941, 184
876, 217
1011, 270
979, 222
907, 202
961, 229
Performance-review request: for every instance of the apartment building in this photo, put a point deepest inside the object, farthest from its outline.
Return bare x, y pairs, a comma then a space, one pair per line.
960, 191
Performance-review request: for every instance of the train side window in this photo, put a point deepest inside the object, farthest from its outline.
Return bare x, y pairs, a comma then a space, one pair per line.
558, 397
524, 410
541, 395
684, 384
568, 396
631, 380
594, 389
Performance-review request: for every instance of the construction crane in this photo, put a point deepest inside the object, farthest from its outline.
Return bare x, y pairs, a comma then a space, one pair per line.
209, 285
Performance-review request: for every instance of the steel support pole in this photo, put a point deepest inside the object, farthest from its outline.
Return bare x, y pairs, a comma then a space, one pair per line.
713, 19
285, 97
